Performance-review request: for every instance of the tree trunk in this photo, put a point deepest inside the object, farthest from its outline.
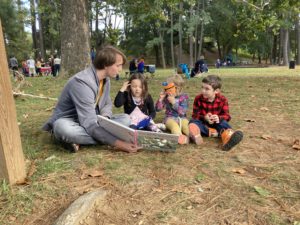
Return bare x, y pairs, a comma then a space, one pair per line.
41, 35
280, 46
97, 17
162, 49
298, 41
218, 44
274, 50
180, 33
33, 27
201, 33
196, 33
21, 16
285, 47
191, 42
172, 41
75, 40
157, 61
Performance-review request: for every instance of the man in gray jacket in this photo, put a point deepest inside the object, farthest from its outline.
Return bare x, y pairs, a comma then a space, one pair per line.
86, 95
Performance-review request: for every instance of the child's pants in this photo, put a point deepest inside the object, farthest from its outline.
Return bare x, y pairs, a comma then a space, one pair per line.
175, 128
204, 126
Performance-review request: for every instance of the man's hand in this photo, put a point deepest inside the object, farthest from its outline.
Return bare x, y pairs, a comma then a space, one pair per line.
124, 86
126, 147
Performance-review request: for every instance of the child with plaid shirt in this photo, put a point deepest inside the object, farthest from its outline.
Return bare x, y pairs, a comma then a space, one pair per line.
211, 115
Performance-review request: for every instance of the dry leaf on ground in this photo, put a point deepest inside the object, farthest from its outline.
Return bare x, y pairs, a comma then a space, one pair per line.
296, 145
239, 170
95, 173
266, 137
250, 120
264, 109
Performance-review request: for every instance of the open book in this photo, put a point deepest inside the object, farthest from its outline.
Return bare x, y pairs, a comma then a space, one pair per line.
146, 139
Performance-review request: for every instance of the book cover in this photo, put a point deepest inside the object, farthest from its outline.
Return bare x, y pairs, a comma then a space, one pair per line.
148, 140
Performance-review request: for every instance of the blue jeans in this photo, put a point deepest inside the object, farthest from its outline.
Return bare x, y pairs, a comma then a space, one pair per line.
68, 130
223, 125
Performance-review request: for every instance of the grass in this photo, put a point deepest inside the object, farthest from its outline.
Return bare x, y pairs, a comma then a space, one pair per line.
195, 185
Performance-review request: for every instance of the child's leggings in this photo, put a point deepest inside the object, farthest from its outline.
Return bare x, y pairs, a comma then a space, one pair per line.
174, 127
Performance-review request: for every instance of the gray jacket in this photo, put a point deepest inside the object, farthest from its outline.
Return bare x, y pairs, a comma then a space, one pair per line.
77, 101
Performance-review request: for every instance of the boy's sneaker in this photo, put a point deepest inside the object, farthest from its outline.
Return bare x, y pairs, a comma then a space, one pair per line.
212, 132
183, 139
231, 138
195, 134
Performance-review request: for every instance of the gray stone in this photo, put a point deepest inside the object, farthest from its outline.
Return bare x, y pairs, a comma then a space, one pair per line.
80, 208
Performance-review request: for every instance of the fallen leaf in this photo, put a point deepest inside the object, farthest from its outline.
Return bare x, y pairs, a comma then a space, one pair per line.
250, 120
12, 218
261, 191
266, 137
296, 145
239, 170
23, 182
50, 158
189, 207
264, 109
32, 169
95, 173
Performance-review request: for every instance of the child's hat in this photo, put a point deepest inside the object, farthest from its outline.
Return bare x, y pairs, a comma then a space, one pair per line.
169, 87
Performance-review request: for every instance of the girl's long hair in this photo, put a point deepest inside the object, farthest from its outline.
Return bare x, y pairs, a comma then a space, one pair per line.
143, 80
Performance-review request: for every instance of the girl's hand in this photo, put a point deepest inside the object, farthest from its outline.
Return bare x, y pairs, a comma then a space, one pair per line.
125, 86
162, 95
171, 99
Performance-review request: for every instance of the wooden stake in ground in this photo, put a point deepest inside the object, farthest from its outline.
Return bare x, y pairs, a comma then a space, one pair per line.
12, 164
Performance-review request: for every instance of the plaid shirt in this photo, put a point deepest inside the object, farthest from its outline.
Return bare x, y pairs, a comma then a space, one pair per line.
218, 107
179, 109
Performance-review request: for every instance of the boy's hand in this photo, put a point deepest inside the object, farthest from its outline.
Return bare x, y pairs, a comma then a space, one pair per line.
124, 86
208, 118
126, 147
171, 99
215, 118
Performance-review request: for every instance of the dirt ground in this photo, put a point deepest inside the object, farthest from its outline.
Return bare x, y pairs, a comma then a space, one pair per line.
200, 185
255, 183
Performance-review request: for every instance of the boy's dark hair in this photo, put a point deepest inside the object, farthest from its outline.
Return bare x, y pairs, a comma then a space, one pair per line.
106, 56
141, 77
213, 80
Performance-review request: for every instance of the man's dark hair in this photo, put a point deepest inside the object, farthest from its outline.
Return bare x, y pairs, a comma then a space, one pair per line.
106, 56
213, 80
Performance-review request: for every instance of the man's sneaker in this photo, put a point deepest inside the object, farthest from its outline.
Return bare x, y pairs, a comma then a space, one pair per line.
195, 134
183, 139
231, 138
72, 147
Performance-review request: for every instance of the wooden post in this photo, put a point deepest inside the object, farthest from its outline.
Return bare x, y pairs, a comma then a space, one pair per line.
12, 164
